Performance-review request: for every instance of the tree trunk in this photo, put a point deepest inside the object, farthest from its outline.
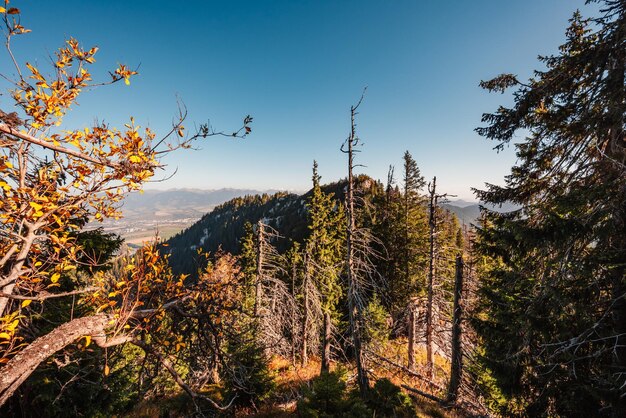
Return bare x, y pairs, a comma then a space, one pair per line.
17, 370
354, 310
8, 284
616, 151
326, 343
457, 355
294, 273
431, 272
411, 345
259, 271
304, 357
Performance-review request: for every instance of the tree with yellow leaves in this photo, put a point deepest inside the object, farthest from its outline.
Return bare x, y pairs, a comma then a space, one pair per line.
51, 182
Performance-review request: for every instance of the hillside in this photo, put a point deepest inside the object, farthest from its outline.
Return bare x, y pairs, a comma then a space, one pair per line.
286, 212
165, 211
224, 226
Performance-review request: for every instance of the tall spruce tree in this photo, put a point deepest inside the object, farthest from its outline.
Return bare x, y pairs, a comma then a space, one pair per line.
414, 254
553, 318
326, 243
247, 262
414, 228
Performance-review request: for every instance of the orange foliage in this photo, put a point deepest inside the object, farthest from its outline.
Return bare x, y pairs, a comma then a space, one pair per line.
52, 181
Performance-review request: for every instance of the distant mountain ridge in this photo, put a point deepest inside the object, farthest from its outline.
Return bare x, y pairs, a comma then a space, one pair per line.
470, 213
223, 227
179, 203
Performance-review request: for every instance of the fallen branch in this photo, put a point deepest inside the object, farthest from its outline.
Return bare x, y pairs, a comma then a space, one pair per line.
170, 368
424, 394
407, 371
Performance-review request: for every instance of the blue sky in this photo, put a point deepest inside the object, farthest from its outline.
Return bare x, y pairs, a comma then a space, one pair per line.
296, 67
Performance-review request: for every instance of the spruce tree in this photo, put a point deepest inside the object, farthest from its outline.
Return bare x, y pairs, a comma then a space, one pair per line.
247, 262
414, 248
414, 229
553, 318
326, 241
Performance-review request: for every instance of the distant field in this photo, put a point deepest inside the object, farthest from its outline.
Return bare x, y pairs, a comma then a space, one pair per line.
137, 238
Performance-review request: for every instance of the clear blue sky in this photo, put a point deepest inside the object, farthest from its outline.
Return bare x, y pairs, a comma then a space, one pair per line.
296, 67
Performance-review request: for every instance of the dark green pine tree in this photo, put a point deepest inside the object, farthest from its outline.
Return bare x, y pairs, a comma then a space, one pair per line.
247, 262
414, 226
389, 230
403, 229
326, 243
553, 307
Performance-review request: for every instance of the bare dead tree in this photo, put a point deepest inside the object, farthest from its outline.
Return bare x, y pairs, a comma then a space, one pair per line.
355, 305
275, 307
294, 321
470, 395
360, 255
304, 358
457, 354
432, 223
411, 320
259, 267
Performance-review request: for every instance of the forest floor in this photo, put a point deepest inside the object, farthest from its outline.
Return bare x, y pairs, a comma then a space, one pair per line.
290, 381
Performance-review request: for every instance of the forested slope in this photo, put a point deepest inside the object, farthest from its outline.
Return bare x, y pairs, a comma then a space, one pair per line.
224, 226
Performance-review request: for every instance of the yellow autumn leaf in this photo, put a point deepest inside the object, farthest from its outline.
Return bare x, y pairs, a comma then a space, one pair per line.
5, 336
26, 303
87, 340
35, 206
11, 327
106, 370
55, 277
127, 81
134, 159
3, 10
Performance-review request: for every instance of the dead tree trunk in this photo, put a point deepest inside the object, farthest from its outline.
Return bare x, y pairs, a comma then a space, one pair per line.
304, 357
259, 270
354, 305
294, 275
326, 343
432, 222
457, 354
411, 342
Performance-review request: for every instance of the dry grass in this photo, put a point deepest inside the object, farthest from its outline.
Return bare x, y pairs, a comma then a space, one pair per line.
290, 379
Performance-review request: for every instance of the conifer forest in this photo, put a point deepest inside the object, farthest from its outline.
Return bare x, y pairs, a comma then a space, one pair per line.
358, 297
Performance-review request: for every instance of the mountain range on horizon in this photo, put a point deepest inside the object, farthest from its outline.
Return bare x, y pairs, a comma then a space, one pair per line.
182, 203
